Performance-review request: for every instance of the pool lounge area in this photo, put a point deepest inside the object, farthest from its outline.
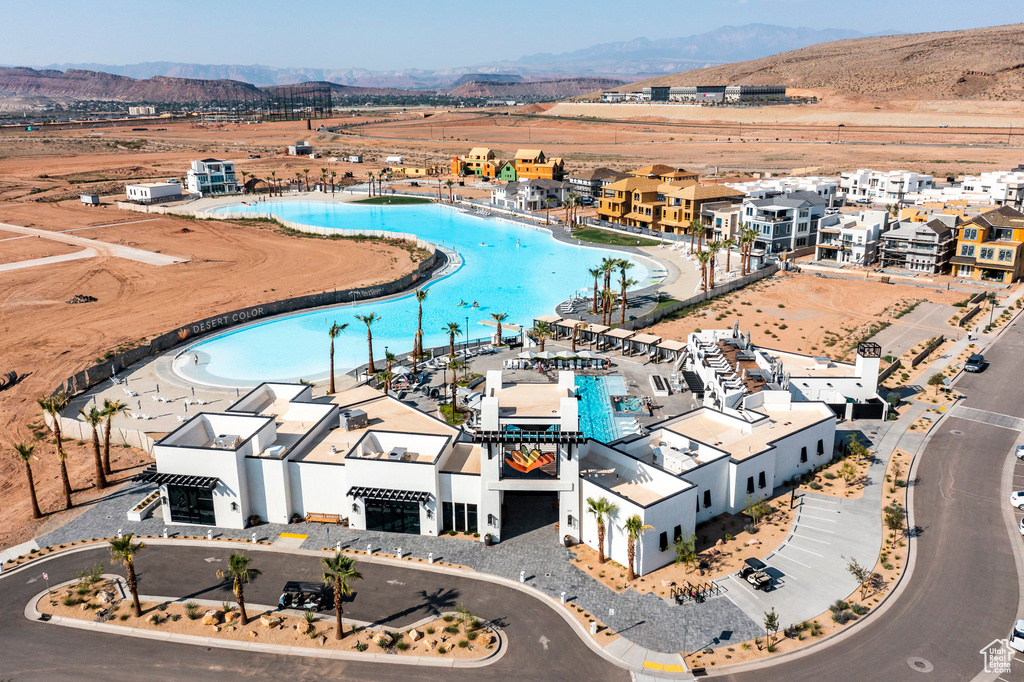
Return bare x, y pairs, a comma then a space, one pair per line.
598, 417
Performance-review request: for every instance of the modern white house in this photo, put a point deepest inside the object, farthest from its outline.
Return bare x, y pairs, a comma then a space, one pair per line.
153, 192
731, 373
383, 465
784, 222
826, 188
996, 188
883, 186
920, 247
845, 238
301, 148
530, 195
212, 176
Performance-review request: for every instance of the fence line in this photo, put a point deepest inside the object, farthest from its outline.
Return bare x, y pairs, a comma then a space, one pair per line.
79, 430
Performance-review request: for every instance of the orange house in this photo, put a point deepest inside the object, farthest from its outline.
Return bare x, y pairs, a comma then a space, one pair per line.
531, 164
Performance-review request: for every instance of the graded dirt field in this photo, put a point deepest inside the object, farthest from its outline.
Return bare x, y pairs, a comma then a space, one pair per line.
47, 339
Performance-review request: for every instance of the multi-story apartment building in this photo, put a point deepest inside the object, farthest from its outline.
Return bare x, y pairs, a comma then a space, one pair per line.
684, 205
530, 195
826, 188
617, 199
533, 164
481, 162
851, 239
999, 188
212, 176
785, 222
920, 247
883, 186
589, 183
724, 219
988, 247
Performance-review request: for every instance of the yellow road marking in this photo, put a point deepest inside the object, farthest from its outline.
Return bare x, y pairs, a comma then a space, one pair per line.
654, 666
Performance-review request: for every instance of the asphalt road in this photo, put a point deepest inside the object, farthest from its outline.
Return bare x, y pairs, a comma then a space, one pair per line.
397, 596
964, 590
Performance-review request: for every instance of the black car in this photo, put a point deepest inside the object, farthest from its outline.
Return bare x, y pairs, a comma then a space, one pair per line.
305, 596
975, 363
755, 572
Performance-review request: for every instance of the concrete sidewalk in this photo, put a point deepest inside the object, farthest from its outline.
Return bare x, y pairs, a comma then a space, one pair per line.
116, 250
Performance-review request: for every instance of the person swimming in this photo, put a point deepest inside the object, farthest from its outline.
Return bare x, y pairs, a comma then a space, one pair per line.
475, 304
461, 302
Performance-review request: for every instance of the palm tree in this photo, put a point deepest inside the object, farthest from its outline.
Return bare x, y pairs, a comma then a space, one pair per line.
333, 175
635, 527
380, 182
368, 320
570, 204
727, 245
448, 184
607, 265
601, 509
694, 226
541, 330
626, 284
93, 418
334, 331
417, 345
499, 318
339, 572
369, 175
455, 366
704, 257
595, 273
577, 333
24, 452
305, 171
123, 551
273, 182
298, 182
323, 179
748, 236
624, 266
713, 249
52, 405
111, 408
389, 360
547, 205
608, 303
386, 377
240, 573
452, 329
244, 176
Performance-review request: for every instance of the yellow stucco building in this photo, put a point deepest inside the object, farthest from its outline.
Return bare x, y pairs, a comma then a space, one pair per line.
988, 247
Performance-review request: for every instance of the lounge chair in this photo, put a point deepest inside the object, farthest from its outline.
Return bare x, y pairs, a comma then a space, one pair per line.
130, 393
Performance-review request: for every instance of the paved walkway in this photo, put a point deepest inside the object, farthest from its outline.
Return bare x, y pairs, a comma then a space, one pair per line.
117, 250
47, 260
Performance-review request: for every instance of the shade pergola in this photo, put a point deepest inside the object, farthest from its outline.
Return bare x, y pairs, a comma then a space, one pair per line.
618, 333
597, 328
550, 319
672, 345
568, 323
646, 339
151, 475
388, 494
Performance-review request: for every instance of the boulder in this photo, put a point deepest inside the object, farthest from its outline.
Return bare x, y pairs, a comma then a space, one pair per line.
484, 638
152, 618
753, 541
253, 634
719, 542
211, 617
700, 571
322, 640
714, 552
230, 616
269, 622
382, 639
216, 628
415, 635
84, 607
105, 597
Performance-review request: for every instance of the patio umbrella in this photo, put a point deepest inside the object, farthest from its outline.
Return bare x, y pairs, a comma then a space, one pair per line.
546, 355
565, 354
400, 370
527, 355
586, 354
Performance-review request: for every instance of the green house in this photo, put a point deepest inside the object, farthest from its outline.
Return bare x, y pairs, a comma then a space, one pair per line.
507, 172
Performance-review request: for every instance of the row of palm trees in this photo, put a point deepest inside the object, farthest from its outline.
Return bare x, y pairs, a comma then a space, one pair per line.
339, 572
453, 329
605, 299
96, 418
300, 177
707, 257
634, 526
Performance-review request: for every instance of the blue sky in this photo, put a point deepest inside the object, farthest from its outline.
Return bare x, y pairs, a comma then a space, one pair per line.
395, 34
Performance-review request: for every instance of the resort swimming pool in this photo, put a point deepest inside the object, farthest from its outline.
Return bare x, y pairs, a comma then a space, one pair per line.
597, 418
507, 268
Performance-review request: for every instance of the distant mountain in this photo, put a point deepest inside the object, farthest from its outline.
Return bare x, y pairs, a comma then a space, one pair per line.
625, 60
488, 78
723, 45
555, 89
981, 63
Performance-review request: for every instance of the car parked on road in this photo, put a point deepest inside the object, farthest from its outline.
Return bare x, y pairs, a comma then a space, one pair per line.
1020, 526
304, 596
755, 572
975, 363
1017, 499
1019, 451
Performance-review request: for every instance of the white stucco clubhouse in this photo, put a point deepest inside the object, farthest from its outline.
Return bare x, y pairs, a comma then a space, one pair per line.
383, 465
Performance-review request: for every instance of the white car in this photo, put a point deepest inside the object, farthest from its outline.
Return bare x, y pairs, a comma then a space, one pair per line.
1017, 499
1020, 527
1016, 638
1019, 452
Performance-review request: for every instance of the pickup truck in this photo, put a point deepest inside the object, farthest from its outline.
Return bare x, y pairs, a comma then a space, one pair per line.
754, 572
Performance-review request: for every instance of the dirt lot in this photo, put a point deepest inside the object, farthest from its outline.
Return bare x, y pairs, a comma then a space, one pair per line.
805, 314
48, 339
15, 247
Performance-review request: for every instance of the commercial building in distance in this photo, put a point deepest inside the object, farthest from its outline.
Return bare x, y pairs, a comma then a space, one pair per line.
153, 192
301, 148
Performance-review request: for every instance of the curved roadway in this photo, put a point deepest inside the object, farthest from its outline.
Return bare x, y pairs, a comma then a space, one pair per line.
963, 592
396, 596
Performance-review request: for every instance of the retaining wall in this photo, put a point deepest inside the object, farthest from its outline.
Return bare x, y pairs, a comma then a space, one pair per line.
920, 357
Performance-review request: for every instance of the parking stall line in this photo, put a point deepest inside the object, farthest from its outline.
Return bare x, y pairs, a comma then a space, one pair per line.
783, 556
820, 530
821, 518
804, 537
805, 550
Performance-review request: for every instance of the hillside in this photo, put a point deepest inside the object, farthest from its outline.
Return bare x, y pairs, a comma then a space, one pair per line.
983, 63
540, 89
95, 85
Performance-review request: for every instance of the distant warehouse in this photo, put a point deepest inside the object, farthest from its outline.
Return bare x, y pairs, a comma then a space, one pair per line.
154, 192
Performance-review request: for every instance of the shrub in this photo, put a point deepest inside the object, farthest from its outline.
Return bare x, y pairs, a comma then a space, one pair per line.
452, 629
162, 607
123, 616
70, 601
463, 643
842, 617
225, 606
814, 485
750, 528
859, 609
829, 475
309, 615
191, 610
448, 618
441, 649
839, 605
430, 630
402, 646
362, 646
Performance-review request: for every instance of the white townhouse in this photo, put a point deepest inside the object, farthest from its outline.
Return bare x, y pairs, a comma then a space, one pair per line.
883, 186
846, 238
784, 222
212, 176
530, 195
383, 465
826, 188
